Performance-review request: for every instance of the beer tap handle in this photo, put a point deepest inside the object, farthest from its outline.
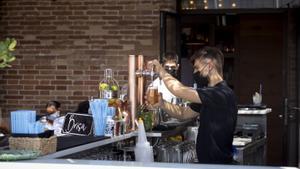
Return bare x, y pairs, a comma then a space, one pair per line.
152, 74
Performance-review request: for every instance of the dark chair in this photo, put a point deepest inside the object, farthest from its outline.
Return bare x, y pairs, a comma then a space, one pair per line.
83, 107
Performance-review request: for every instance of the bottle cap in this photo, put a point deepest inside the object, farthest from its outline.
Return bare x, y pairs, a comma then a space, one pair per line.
108, 73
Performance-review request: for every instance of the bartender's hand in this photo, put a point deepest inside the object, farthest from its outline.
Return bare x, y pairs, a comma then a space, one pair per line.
157, 66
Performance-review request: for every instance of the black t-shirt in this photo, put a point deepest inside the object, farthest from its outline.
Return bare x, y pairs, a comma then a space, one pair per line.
218, 113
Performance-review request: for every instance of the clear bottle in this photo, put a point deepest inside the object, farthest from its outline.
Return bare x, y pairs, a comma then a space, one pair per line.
108, 87
109, 127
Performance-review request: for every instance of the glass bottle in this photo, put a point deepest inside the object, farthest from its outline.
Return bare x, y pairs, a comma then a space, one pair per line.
109, 127
108, 87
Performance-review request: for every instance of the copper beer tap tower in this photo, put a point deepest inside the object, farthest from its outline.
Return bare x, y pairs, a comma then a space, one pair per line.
136, 82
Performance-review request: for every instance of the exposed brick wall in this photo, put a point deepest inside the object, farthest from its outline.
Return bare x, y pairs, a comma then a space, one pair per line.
64, 46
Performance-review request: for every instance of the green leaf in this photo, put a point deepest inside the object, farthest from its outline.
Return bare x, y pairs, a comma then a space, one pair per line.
6, 48
11, 59
12, 45
3, 65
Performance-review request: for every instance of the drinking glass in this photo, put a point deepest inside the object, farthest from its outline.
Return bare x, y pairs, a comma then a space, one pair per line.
152, 95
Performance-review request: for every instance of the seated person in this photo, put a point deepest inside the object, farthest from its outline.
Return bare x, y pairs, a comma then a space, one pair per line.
171, 65
54, 121
53, 110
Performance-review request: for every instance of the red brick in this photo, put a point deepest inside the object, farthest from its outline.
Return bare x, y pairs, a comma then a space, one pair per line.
18, 97
77, 93
61, 87
79, 27
29, 102
9, 82
28, 67
45, 87
78, 72
44, 82
66, 13
3, 82
113, 47
31, 92
12, 101
28, 3
61, 77
12, 77
95, 12
112, 37
11, 92
31, 87
61, 82
78, 83
44, 92
45, 37
45, 8
28, 72
29, 97
94, 3
77, 98
45, 67
112, 7
29, 82
93, 83
27, 77
79, 37
78, 17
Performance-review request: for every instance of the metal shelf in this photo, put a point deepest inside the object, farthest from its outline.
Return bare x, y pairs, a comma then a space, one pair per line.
181, 126
95, 144
88, 146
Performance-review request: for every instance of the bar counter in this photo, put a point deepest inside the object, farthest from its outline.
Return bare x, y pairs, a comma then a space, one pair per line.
82, 143
92, 164
69, 144
73, 144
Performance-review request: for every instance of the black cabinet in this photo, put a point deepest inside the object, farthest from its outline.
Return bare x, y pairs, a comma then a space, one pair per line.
220, 31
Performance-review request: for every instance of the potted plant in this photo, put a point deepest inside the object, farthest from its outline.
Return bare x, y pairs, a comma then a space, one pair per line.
6, 48
6, 57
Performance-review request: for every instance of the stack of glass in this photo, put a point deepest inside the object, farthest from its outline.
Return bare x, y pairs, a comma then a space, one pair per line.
99, 108
24, 122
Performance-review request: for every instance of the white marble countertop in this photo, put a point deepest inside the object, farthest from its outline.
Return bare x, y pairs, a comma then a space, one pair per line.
255, 112
95, 164
87, 146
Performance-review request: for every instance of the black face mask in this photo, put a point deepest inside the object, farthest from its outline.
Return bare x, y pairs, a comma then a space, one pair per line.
172, 72
200, 80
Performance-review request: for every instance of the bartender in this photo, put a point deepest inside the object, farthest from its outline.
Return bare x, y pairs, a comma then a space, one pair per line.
214, 100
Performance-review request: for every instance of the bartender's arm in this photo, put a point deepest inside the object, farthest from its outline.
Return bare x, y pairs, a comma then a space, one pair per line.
175, 86
177, 111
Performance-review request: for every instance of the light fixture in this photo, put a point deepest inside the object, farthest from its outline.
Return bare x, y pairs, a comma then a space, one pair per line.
191, 2
233, 5
205, 7
205, 1
220, 5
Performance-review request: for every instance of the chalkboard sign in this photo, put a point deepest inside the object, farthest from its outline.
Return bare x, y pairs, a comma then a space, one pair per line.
78, 124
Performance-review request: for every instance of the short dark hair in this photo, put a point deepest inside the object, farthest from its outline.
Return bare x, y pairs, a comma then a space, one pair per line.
170, 56
212, 53
56, 104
